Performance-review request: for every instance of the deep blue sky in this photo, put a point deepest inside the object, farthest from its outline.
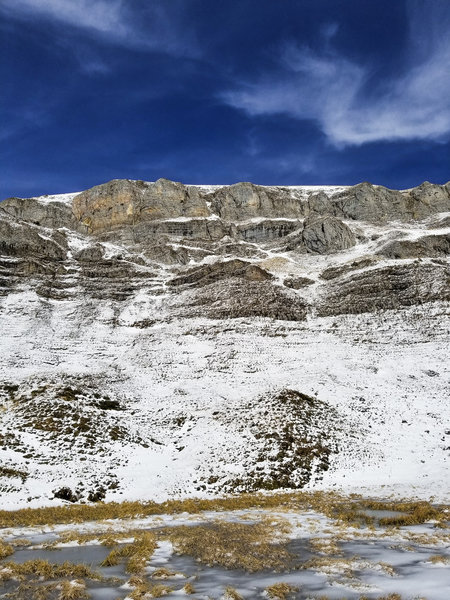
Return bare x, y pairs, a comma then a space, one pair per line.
219, 91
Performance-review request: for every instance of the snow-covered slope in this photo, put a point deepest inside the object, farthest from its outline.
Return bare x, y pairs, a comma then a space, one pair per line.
175, 353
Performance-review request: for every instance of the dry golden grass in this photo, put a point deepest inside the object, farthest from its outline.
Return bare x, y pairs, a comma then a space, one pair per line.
143, 589
105, 538
21, 542
157, 590
418, 513
346, 509
388, 597
189, 588
280, 591
137, 553
232, 545
232, 594
113, 558
72, 590
79, 513
387, 568
140, 586
427, 539
163, 573
5, 550
325, 546
354, 517
33, 591
46, 570
331, 565
439, 558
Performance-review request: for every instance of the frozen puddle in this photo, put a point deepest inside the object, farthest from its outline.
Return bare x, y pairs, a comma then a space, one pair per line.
329, 560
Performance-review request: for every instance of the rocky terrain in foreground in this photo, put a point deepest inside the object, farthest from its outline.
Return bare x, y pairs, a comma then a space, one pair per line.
165, 339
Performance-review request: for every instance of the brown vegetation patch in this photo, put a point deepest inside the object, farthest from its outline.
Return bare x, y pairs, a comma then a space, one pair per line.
280, 591
252, 547
137, 554
47, 570
332, 504
143, 589
13, 473
5, 550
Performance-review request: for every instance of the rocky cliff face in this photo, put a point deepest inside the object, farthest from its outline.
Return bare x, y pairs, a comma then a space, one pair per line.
84, 275
127, 235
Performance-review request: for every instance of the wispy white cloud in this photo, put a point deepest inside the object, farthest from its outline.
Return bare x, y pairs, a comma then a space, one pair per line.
334, 91
156, 26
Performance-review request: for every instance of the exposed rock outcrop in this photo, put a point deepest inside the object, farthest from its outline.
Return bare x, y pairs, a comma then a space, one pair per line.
378, 204
320, 205
429, 199
326, 235
221, 270
238, 297
390, 287
297, 283
264, 230
429, 245
367, 202
46, 214
246, 201
22, 240
123, 202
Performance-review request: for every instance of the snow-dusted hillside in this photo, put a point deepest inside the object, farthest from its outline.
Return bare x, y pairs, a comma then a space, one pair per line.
164, 340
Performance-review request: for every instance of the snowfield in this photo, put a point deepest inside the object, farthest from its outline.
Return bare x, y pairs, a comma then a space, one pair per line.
387, 376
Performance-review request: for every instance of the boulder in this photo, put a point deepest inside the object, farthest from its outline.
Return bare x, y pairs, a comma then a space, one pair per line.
326, 235
90, 254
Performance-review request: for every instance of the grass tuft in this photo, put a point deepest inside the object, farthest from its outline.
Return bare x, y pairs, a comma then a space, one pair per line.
137, 553
280, 591
5, 550
232, 594
72, 590
189, 588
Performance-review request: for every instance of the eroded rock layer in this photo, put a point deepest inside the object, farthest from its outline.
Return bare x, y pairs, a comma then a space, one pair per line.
124, 236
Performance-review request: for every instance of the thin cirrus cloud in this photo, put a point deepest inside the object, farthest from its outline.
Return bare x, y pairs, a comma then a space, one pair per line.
335, 92
158, 26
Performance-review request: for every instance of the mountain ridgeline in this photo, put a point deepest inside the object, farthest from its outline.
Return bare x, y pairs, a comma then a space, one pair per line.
238, 250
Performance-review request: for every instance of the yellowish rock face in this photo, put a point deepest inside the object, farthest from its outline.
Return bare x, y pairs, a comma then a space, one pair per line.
119, 203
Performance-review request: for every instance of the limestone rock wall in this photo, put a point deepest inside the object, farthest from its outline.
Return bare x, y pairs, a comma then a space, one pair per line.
236, 251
